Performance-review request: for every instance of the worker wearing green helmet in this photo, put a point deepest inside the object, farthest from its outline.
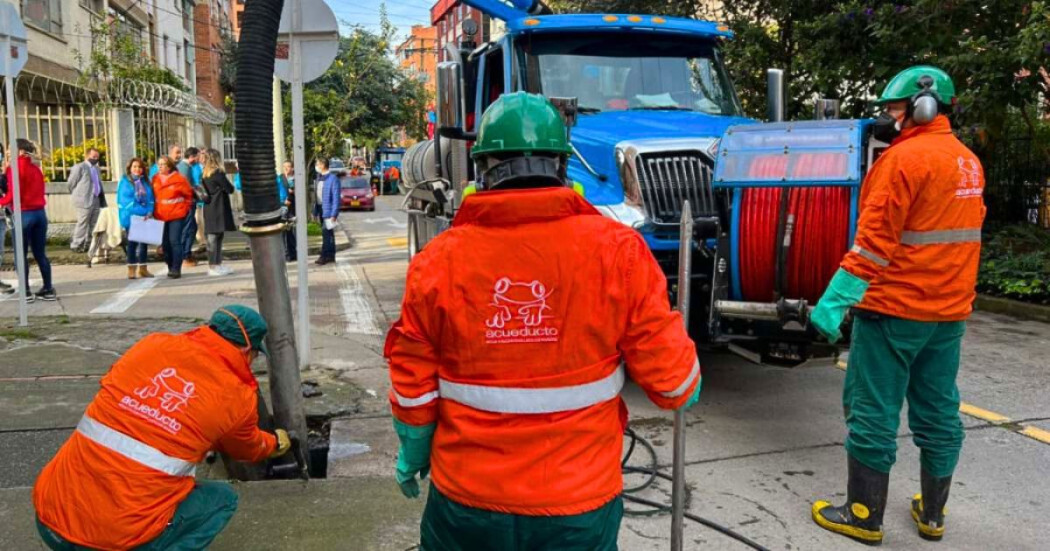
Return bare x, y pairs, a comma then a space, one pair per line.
521, 144
910, 277
508, 359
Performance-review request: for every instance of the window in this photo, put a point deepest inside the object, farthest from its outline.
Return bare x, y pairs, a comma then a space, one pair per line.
164, 53
187, 16
96, 6
45, 14
189, 59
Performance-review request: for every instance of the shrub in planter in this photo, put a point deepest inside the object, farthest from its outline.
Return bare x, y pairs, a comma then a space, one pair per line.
1015, 263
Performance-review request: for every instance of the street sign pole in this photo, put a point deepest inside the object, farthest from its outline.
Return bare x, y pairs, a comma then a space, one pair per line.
302, 190
312, 35
14, 40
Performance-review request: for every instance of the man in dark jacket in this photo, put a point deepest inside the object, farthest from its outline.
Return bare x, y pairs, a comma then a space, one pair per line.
328, 195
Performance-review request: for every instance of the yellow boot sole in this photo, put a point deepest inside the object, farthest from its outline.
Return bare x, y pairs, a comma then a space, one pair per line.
870, 537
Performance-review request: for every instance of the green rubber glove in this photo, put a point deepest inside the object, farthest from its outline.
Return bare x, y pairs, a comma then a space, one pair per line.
696, 395
844, 291
413, 456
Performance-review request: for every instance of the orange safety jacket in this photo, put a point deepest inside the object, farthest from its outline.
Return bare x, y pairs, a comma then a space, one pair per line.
918, 239
174, 196
518, 329
170, 399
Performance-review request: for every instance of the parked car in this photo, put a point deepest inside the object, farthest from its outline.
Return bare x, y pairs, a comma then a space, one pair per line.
356, 193
336, 165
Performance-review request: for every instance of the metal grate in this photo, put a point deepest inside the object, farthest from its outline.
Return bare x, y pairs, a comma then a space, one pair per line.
668, 178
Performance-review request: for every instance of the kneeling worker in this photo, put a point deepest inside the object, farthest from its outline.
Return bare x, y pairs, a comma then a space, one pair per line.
518, 329
125, 478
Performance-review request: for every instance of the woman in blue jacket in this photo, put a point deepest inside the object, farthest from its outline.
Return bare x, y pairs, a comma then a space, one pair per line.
135, 198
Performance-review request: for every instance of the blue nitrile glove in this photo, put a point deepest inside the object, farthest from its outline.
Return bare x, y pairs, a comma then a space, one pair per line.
844, 291
696, 395
413, 456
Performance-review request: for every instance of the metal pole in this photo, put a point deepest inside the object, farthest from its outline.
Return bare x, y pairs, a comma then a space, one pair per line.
685, 276
278, 126
15, 186
775, 95
302, 190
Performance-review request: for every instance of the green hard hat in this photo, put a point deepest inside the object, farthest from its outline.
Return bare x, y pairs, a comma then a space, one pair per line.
907, 83
521, 123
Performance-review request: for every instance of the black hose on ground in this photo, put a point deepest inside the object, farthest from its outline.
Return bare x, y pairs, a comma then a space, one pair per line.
652, 473
254, 119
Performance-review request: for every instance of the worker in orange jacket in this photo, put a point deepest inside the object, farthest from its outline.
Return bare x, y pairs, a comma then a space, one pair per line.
518, 328
911, 274
125, 478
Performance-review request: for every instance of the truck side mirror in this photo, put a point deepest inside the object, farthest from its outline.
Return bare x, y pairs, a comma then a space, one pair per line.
450, 95
567, 108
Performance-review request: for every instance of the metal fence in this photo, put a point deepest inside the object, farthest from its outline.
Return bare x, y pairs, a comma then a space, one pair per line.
1017, 183
61, 133
156, 131
229, 149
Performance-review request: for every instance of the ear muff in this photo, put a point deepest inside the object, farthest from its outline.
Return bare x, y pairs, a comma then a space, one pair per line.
925, 104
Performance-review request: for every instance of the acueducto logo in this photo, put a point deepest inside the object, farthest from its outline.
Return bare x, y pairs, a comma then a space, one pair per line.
521, 313
171, 391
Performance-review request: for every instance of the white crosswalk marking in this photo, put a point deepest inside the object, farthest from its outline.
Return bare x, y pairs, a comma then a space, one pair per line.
127, 297
359, 315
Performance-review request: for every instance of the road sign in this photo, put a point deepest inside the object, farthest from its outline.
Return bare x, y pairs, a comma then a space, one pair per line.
11, 28
14, 54
318, 34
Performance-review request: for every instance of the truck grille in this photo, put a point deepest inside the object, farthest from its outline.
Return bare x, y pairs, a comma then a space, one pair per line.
668, 178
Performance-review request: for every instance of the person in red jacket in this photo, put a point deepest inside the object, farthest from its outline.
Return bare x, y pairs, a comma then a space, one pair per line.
125, 478
31, 191
174, 197
518, 329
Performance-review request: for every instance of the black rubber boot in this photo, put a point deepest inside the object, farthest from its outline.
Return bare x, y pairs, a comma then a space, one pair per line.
860, 517
927, 508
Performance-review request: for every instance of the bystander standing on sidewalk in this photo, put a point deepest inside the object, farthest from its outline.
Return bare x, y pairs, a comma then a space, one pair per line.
189, 168
135, 198
5, 289
174, 196
286, 190
218, 213
328, 196
85, 190
34, 218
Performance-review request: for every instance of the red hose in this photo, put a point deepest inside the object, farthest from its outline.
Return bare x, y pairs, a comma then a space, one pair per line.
819, 238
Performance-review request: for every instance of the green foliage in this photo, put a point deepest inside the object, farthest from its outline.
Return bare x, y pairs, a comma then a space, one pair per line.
119, 54
313, 229
1015, 263
69, 156
363, 96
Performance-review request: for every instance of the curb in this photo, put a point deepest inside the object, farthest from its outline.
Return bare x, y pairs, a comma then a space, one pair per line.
69, 258
1015, 308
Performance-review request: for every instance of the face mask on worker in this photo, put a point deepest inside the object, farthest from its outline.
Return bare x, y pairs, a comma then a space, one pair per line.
886, 128
93, 160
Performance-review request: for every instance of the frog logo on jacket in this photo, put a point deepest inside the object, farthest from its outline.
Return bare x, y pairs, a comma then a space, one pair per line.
969, 178
166, 393
521, 313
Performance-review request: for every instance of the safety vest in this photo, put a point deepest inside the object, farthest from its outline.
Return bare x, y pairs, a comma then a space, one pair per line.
918, 238
115, 484
519, 328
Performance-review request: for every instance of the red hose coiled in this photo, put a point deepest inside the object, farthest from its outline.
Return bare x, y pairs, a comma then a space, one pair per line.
819, 236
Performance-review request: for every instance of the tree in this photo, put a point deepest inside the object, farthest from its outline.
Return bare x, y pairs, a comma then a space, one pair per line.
363, 96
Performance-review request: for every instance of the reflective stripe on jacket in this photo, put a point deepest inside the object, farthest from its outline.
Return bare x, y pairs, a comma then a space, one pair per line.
115, 484
518, 329
918, 239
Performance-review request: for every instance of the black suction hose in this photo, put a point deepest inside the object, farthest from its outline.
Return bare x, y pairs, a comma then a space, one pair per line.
254, 119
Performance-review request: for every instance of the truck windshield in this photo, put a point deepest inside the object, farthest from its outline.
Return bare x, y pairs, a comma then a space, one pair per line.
619, 72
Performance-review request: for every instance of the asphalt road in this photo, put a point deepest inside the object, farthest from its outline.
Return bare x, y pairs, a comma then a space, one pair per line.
763, 444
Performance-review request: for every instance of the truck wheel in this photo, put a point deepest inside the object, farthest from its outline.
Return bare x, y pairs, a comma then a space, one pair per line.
413, 237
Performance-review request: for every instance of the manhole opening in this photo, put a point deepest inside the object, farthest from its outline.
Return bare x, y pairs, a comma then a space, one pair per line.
316, 453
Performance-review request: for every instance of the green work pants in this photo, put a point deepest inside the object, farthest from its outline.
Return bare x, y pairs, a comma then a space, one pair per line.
892, 359
449, 526
198, 519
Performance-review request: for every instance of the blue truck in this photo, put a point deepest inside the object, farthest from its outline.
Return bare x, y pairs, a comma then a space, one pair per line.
656, 122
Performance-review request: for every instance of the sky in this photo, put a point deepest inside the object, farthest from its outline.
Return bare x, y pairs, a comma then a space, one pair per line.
402, 13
